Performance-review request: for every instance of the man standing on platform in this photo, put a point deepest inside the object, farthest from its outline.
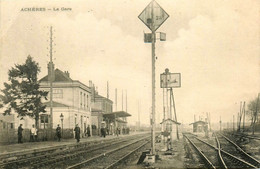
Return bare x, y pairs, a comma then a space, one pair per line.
77, 133
88, 131
33, 133
58, 132
20, 133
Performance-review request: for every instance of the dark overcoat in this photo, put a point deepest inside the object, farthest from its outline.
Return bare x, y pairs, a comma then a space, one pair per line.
77, 132
20, 131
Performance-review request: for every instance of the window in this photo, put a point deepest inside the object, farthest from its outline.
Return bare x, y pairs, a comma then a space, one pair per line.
57, 93
80, 99
44, 118
12, 125
84, 101
75, 119
87, 101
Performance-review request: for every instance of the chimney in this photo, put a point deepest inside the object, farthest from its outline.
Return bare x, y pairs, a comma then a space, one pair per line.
107, 90
51, 71
94, 92
67, 73
92, 88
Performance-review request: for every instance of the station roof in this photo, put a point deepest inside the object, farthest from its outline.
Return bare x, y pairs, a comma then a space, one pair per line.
55, 104
120, 121
99, 97
96, 110
59, 77
170, 121
63, 79
117, 114
202, 122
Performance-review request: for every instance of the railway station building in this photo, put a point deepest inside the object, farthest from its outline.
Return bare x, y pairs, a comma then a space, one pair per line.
71, 101
99, 106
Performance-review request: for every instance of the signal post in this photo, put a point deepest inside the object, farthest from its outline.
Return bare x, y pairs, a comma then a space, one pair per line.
153, 16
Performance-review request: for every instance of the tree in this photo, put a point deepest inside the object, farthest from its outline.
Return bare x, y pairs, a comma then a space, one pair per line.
22, 93
253, 109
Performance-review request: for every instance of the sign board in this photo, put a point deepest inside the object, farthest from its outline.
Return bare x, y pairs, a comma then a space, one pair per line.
162, 36
153, 16
170, 80
148, 37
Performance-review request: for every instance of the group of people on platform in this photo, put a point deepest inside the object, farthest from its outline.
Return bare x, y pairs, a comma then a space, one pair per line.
34, 132
105, 131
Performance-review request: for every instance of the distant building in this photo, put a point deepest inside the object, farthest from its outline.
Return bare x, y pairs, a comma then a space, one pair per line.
71, 98
169, 126
200, 126
102, 111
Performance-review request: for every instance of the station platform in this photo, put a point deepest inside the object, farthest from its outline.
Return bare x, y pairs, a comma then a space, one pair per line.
173, 158
31, 146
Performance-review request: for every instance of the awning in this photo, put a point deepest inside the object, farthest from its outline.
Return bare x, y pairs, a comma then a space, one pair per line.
120, 121
117, 114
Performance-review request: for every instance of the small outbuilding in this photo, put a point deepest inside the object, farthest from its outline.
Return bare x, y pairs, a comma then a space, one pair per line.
170, 127
200, 126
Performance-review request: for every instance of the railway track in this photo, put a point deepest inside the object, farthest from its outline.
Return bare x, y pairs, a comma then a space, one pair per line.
204, 158
247, 136
225, 159
108, 158
59, 156
233, 148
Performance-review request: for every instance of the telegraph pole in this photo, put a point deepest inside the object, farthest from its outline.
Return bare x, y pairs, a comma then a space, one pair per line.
51, 67
116, 99
153, 86
244, 116
220, 124
139, 116
126, 100
122, 100
233, 123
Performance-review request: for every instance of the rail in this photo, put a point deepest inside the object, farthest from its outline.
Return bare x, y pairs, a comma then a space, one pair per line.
109, 152
252, 159
205, 159
219, 153
230, 155
57, 155
247, 136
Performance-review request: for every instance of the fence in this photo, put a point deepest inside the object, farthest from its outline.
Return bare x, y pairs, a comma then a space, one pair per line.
8, 134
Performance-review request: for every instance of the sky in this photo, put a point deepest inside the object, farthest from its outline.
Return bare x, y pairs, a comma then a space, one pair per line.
214, 44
